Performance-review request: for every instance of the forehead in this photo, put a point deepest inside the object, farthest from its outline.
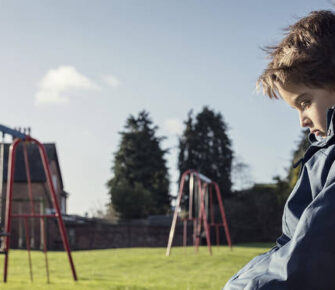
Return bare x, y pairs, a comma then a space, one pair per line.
291, 92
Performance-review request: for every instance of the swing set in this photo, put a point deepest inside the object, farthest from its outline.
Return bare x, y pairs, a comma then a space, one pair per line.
200, 209
22, 138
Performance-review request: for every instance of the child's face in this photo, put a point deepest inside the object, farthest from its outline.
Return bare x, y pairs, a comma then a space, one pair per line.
312, 105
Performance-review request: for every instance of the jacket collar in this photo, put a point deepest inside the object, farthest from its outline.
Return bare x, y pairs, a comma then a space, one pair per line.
318, 143
321, 142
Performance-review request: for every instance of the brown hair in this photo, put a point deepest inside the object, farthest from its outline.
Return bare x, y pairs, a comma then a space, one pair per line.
305, 56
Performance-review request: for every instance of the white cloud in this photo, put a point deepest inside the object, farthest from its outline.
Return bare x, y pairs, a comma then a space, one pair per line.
111, 81
57, 82
173, 126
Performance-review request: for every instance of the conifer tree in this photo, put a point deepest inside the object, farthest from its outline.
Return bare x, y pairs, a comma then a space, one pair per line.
140, 184
293, 173
206, 147
285, 185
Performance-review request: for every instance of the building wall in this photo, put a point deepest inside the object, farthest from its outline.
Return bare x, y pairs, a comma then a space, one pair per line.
58, 186
42, 203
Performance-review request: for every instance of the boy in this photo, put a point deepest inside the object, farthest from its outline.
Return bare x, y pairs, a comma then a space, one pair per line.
302, 72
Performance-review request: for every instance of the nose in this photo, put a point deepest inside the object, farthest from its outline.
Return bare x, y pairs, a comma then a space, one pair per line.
304, 120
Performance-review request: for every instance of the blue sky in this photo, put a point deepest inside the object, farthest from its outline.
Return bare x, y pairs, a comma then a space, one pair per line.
75, 70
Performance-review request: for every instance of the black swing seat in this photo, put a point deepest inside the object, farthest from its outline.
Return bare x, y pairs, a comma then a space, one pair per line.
3, 252
2, 249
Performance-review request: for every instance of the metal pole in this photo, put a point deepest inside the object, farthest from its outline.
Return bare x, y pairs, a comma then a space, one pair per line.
45, 249
203, 217
26, 163
190, 196
2, 150
56, 205
26, 229
10, 181
20, 224
185, 233
211, 204
30, 194
194, 231
175, 215
199, 206
224, 220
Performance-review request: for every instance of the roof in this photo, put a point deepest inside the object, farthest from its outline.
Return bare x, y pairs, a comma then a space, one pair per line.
35, 162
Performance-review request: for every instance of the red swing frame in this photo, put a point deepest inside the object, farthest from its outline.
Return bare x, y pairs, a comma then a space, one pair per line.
9, 215
203, 184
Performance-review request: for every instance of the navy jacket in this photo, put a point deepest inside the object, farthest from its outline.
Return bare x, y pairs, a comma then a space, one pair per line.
304, 256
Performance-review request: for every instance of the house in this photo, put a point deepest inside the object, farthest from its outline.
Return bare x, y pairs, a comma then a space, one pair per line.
42, 202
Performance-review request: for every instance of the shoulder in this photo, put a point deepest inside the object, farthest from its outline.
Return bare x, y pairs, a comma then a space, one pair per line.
322, 155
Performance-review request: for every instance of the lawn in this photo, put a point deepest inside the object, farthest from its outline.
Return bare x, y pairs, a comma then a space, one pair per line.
136, 268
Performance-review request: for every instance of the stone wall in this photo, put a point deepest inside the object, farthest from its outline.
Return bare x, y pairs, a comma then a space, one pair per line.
86, 234
101, 235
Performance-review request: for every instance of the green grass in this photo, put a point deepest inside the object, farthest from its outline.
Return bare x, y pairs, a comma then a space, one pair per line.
137, 268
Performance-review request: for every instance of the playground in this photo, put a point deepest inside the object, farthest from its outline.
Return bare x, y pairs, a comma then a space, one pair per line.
137, 268
199, 205
109, 267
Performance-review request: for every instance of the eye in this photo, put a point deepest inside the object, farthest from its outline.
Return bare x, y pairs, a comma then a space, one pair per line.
305, 104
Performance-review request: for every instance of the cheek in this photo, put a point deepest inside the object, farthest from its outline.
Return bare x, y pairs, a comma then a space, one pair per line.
321, 117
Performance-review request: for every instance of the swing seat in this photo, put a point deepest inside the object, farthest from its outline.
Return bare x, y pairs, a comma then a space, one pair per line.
2, 248
3, 252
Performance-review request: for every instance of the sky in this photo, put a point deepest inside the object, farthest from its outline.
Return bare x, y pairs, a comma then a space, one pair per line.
74, 71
